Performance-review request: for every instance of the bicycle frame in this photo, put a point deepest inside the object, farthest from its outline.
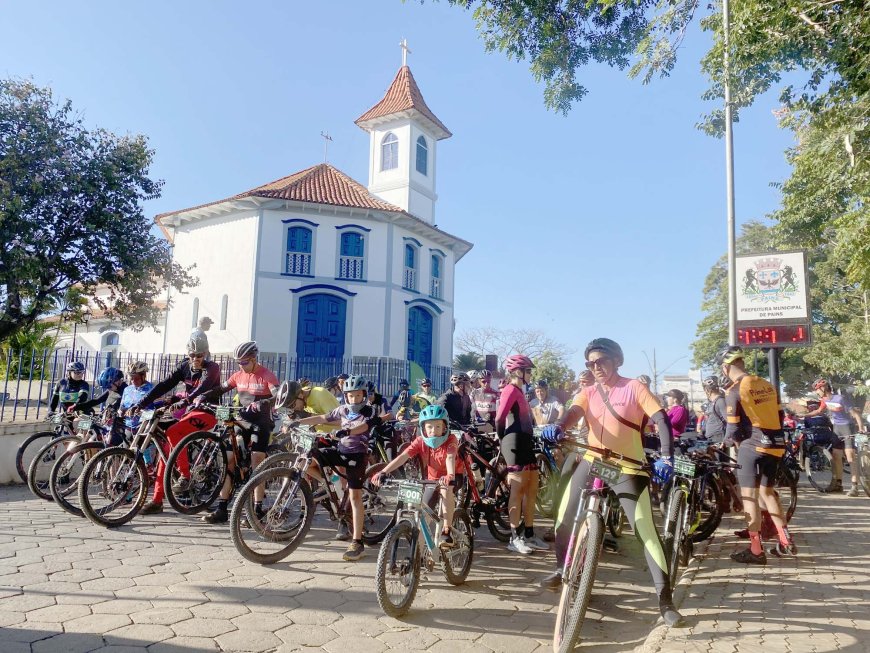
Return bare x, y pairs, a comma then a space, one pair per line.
425, 521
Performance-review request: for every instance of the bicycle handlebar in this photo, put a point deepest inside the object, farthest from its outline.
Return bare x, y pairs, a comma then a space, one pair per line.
606, 453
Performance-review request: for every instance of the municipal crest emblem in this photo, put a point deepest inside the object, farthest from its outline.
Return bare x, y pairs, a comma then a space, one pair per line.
769, 281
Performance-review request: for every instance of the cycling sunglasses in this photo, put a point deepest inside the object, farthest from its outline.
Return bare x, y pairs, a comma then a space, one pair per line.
598, 362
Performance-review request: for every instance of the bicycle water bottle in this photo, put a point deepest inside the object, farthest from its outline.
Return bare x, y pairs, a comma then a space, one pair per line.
335, 478
240, 441
150, 454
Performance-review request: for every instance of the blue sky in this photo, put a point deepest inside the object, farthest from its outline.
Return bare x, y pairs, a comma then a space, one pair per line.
601, 223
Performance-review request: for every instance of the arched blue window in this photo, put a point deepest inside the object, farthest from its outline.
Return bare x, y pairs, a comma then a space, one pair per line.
422, 156
298, 255
351, 262
389, 152
409, 278
435, 289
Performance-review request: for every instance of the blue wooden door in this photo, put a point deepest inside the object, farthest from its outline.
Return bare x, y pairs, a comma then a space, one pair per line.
420, 337
320, 329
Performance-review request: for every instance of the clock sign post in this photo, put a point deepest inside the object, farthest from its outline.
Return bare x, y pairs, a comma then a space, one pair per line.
773, 304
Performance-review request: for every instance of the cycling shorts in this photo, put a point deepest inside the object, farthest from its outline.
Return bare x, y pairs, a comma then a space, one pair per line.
353, 464
845, 437
518, 450
263, 430
756, 468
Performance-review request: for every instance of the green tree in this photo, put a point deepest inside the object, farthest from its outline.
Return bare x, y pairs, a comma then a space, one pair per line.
467, 361
553, 367
71, 215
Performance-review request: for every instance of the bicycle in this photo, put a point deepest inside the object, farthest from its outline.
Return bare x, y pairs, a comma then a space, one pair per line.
122, 475
199, 462
685, 506
411, 546
585, 543
289, 502
816, 457
862, 461
61, 422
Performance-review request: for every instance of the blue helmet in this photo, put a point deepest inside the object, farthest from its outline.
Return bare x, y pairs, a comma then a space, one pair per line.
109, 376
75, 366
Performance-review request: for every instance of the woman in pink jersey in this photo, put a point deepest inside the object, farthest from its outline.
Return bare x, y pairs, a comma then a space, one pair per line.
514, 427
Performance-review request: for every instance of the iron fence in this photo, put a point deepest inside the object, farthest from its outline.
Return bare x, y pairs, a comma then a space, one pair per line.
28, 378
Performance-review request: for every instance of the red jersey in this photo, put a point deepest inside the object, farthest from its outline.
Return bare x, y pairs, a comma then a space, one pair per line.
436, 459
252, 386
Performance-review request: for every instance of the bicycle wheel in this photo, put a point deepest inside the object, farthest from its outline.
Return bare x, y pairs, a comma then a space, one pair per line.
616, 520
207, 460
496, 497
279, 459
862, 461
411, 469
63, 481
113, 487
43, 461
577, 589
456, 561
398, 572
380, 505
548, 483
709, 512
819, 468
786, 486
673, 533
285, 520
28, 450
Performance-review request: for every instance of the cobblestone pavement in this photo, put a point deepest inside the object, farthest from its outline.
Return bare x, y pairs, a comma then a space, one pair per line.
816, 602
167, 583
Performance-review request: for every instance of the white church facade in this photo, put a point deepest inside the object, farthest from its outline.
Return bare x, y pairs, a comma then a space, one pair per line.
316, 265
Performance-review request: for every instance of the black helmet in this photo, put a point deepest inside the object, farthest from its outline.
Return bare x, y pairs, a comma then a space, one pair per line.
403, 383
288, 392
331, 382
75, 366
728, 354
711, 383
425, 381
353, 383
542, 383
606, 346
643, 378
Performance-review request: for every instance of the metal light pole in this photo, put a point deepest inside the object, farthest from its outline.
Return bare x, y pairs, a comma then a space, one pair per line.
729, 180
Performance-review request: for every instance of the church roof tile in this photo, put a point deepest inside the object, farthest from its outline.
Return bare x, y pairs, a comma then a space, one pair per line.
403, 95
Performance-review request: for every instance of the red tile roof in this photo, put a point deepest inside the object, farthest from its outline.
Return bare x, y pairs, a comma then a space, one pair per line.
403, 95
320, 184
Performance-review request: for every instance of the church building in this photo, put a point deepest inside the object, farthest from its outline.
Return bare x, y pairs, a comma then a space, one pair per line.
317, 265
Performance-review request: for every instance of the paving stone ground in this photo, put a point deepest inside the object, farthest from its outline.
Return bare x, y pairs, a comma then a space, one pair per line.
814, 603
168, 583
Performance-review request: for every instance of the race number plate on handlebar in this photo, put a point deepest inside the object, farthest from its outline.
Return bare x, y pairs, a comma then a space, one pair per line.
684, 466
305, 441
222, 413
84, 423
410, 494
147, 414
861, 439
57, 418
608, 473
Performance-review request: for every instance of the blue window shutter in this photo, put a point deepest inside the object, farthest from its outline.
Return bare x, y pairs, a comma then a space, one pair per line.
352, 245
409, 256
299, 240
436, 267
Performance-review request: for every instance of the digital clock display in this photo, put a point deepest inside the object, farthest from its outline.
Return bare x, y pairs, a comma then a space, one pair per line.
783, 335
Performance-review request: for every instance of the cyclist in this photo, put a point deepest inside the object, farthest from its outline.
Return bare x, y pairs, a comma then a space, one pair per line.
401, 401
513, 425
333, 386
256, 386
484, 400
198, 375
714, 427
72, 390
677, 412
341, 379
424, 397
841, 414
456, 401
139, 386
754, 424
376, 399
111, 381
437, 448
546, 408
357, 418
615, 408
318, 401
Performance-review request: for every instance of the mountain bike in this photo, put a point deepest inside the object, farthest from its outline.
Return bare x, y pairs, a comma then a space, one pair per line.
114, 484
585, 542
817, 458
84, 427
410, 549
549, 475
61, 424
284, 519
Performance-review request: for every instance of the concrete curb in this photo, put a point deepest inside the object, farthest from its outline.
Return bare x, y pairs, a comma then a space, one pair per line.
657, 636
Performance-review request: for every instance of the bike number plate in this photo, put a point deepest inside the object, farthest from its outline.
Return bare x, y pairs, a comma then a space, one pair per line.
222, 413
607, 473
57, 418
410, 495
305, 441
684, 467
861, 440
147, 414
84, 424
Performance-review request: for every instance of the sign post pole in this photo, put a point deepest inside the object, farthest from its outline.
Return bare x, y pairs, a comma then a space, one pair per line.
773, 363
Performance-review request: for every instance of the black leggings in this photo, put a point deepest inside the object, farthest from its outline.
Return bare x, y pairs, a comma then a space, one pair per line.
633, 493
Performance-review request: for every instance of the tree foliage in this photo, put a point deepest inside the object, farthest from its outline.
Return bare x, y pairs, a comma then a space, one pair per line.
71, 215
553, 367
504, 342
467, 361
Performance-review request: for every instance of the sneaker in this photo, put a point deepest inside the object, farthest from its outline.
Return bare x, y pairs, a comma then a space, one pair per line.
536, 543
518, 545
319, 495
354, 551
258, 512
783, 551
836, 487
669, 613
181, 485
746, 556
552, 581
549, 535
218, 516
152, 508
343, 534
445, 541
743, 535
610, 544
853, 492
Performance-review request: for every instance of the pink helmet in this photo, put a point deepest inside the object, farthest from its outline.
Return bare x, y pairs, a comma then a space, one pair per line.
518, 362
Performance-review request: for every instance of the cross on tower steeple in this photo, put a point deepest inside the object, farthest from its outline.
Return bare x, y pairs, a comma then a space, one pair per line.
327, 139
405, 51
